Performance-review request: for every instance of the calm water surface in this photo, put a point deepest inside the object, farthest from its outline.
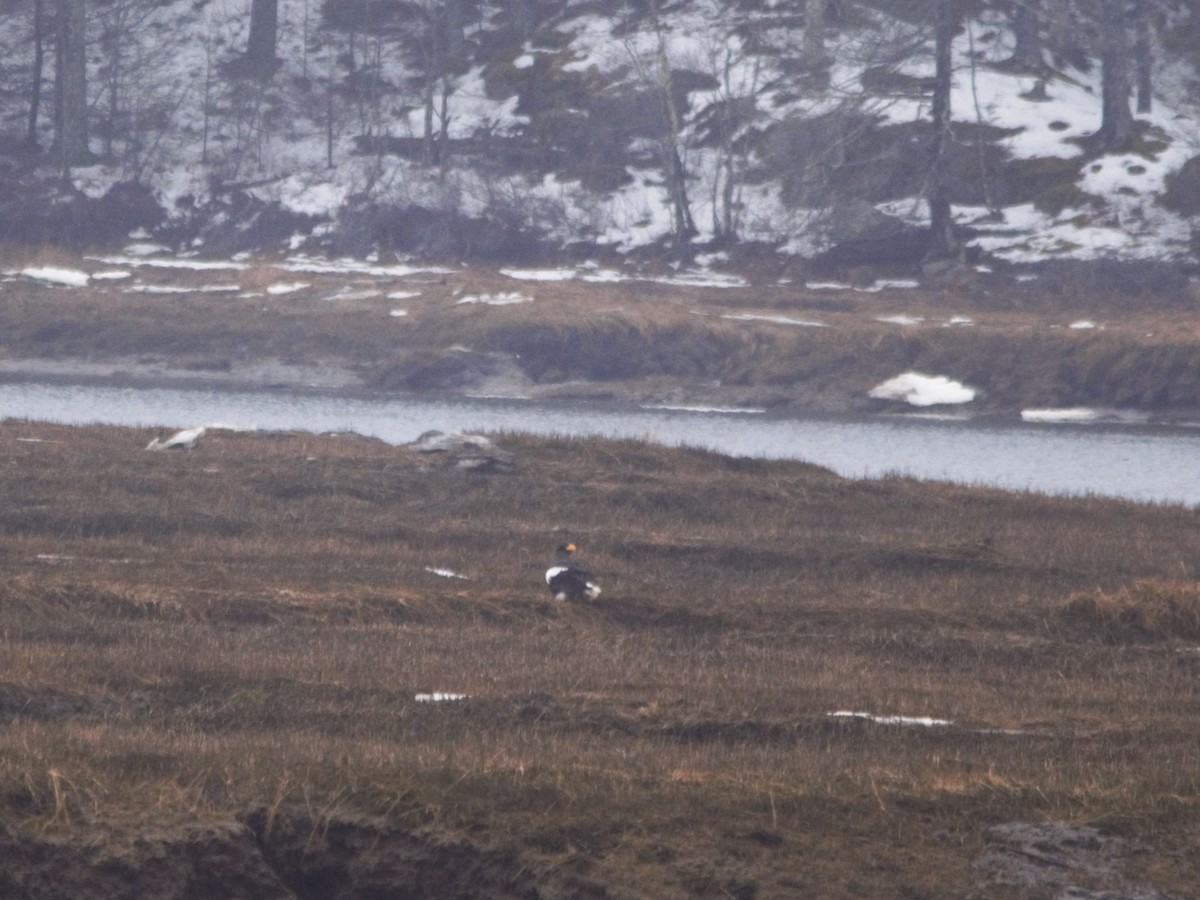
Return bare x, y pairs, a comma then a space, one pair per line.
1148, 464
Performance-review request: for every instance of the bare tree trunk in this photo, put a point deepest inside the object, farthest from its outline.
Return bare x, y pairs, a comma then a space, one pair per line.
942, 244
1116, 122
683, 226
39, 63
526, 17
259, 59
70, 120
1143, 56
1026, 26
815, 55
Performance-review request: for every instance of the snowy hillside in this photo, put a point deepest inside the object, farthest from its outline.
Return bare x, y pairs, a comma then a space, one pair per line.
525, 144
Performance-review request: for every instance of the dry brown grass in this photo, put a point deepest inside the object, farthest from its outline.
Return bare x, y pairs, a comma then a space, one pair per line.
639, 336
1145, 610
248, 625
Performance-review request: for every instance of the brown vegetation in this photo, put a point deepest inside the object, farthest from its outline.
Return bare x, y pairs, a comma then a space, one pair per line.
632, 339
211, 661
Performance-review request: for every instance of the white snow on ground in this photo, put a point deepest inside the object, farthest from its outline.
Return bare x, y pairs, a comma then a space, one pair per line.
287, 287
398, 313
960, 320
288, 162
922, 721
438, 697
922, 390
403, 295
170, 262
180, 440
446, 573
1065, 415
183, 289
900, 319
349, 293
781, 320
724, 410
55, 275
504, 298
1083, 324
111, 275
356, 267
541, 274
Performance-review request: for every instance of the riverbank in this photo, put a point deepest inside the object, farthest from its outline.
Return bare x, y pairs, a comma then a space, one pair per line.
1010, 341
292, 665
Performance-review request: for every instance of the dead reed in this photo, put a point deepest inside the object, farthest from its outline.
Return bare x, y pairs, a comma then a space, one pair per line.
250, 624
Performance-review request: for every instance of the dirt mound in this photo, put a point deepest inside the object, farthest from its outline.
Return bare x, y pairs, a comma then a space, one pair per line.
284, 855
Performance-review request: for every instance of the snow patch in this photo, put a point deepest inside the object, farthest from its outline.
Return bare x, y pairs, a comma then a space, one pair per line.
55, 275
1067, 414
287, 287
446, 573
504, 298
922, 390
912, 721
780, 320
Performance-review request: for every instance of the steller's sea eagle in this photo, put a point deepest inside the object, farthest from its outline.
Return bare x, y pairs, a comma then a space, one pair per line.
569, 581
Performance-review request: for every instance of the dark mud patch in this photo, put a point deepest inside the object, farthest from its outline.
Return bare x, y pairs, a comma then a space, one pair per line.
1060, 860
269, 855
360, 857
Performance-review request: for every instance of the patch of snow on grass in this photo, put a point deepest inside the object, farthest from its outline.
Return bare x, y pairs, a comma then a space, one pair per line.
145, 249
504, 298
55, 275
183, 289
110, 275
1083, 325
781, 320
398, 313
438, 697
922, 721
541, 274
922, 390
1066, 414
446, 573
960, 320
900, 320
356, 267
170, 262
287, 287
403, 295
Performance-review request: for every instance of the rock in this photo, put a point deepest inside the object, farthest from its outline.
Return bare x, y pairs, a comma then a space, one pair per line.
464, 450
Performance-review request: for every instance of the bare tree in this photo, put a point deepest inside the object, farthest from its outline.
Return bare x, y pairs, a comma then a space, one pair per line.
1027, 48
259, 59
1143, 55
39, 61
942, 243
814, 52
70, 86
655, 71
1116, 122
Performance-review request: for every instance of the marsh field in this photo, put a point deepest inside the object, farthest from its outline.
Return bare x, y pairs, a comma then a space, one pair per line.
288, 665
1123, 336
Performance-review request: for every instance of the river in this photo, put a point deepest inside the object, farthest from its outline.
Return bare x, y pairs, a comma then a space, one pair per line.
1149, 464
